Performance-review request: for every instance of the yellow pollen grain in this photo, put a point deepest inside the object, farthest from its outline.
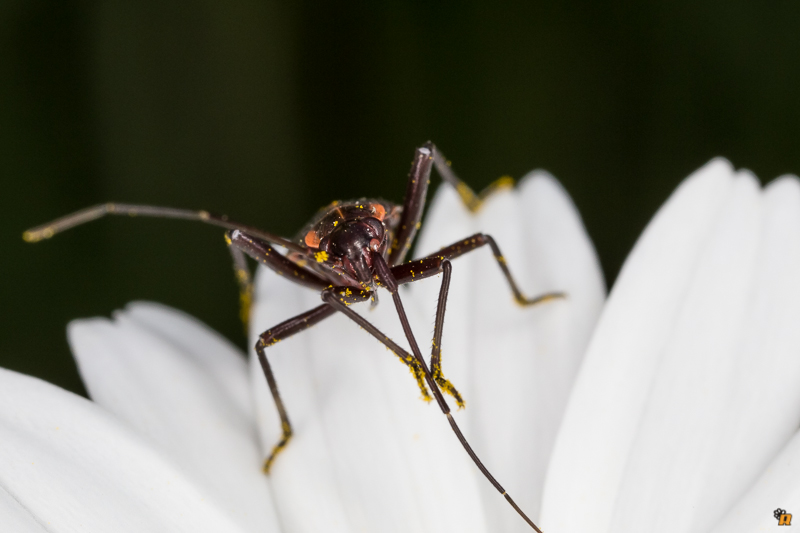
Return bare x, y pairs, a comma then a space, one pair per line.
321, 257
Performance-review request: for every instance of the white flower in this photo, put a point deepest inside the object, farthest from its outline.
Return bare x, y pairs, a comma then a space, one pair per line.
368, 455
684, 416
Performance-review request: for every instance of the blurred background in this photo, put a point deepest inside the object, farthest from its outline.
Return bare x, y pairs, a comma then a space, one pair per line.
268, 110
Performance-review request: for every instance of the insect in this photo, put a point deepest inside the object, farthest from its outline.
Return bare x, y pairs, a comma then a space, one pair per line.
348, 251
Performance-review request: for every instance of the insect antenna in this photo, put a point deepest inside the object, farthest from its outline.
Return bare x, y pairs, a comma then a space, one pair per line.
45, 231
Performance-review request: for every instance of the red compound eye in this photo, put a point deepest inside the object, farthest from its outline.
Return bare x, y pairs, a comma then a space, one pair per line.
378, 211
312, 239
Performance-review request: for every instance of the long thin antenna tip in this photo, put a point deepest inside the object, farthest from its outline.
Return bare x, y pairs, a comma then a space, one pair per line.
37, 235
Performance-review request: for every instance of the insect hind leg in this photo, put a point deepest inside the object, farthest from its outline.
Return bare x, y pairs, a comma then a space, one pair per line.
471, 200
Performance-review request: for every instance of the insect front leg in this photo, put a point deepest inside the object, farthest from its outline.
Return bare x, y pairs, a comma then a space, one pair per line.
269, 338
265, 254
242, 244
436, 349
418, 270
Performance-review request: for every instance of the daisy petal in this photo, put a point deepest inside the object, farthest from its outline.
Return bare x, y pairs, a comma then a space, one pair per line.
186, 389
524, 360
685, 415
71, 466
762, 409
606, 406
13, 517
222, 361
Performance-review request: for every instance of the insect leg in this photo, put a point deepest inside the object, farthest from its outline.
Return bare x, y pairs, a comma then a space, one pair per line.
431, 265
439, 262
269, 338
413, 203
264, 253
389, 282
83, 216
244, 280
416, 192
472, 201
436, 350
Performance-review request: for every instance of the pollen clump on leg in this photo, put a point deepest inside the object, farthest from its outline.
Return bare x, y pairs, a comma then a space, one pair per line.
278, 448
446, 386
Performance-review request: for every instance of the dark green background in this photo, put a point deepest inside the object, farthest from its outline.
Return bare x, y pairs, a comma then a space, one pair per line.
267, 110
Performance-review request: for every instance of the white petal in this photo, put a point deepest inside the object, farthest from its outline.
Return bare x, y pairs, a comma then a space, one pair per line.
223, 362
74, 468
683, 427
708, 412
523, 361
765, 408
606, 406
14, 517
187, 390
778, 487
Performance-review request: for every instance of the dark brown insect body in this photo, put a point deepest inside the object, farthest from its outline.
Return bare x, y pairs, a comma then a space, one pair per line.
346, 252
344, 235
